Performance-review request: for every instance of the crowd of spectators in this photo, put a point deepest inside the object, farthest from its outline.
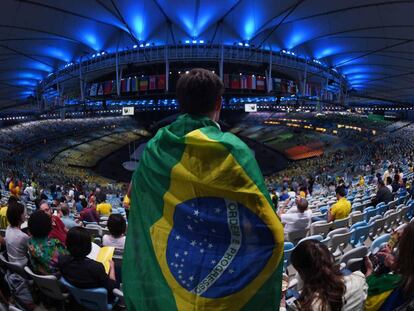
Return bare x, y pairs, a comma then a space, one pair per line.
47, 217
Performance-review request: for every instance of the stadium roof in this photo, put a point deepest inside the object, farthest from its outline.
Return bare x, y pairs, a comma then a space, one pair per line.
371, 42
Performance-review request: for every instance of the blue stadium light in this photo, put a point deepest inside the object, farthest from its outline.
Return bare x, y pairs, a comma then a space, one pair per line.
98, 54
93, 55
240, 43
246, 45
141, 45
194, 41
147, 44
201, 41
187, 41
135, 46
103, 53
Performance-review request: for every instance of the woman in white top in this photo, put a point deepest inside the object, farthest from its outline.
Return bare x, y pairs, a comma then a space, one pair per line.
117, 227
324, 288
16, 239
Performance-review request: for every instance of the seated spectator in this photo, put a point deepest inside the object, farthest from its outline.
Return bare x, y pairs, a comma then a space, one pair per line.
361, 181
389, 183
340, 209
79, 203
387, 173
103, 208
66, 218
88, 213
3, 212
402, 298
284, 195
297, 217
44, 251
81, 271
274, 197
117, 227
321, 284
303, 192
383, 194
396, 184
58, 228
30, 192
16, 239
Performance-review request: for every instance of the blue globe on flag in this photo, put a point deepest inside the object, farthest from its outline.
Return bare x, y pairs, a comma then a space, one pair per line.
216, 247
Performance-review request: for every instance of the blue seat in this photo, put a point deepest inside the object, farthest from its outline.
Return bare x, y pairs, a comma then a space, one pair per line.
378, 242
410, 211
360, 232
95, 299
287, 251
381, 209
323, 209
380, 204
369, 213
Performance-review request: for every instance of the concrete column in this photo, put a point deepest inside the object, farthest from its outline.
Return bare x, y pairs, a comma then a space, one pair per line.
167, 70
221, 63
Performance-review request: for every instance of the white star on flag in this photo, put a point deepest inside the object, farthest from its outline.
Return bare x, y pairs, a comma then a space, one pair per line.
196, 212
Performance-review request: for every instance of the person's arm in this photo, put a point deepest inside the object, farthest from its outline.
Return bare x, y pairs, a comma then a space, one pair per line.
112, 270
283, 208
331, 217
331, 214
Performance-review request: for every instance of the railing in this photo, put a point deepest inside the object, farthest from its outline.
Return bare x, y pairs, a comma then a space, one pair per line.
158, 54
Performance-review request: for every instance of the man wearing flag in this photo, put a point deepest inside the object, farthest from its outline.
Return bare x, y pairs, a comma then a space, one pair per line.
202, 233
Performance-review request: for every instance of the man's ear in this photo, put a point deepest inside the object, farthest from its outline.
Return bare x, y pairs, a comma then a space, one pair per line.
217, 106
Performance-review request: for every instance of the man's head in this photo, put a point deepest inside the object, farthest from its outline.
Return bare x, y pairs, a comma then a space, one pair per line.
44, 207
199, 92
302, 204
64, 208
84, 204
15, 214
340, 192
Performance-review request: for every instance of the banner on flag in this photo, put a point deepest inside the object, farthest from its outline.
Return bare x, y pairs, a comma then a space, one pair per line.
161, 82
152, 82
143, 84
260, 83
235, 81
100, 89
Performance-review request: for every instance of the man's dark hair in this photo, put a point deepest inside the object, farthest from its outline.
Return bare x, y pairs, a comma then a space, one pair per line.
65, 209
78, 242
39, 224
12, 200
84, 203
101, 198
116, 225
302, 205
340, 191
198, 91
14, 214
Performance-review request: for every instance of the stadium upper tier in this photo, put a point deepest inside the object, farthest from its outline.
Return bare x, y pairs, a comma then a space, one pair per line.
347, 48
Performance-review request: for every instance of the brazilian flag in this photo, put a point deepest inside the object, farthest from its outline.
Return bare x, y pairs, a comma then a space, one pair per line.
202, 233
